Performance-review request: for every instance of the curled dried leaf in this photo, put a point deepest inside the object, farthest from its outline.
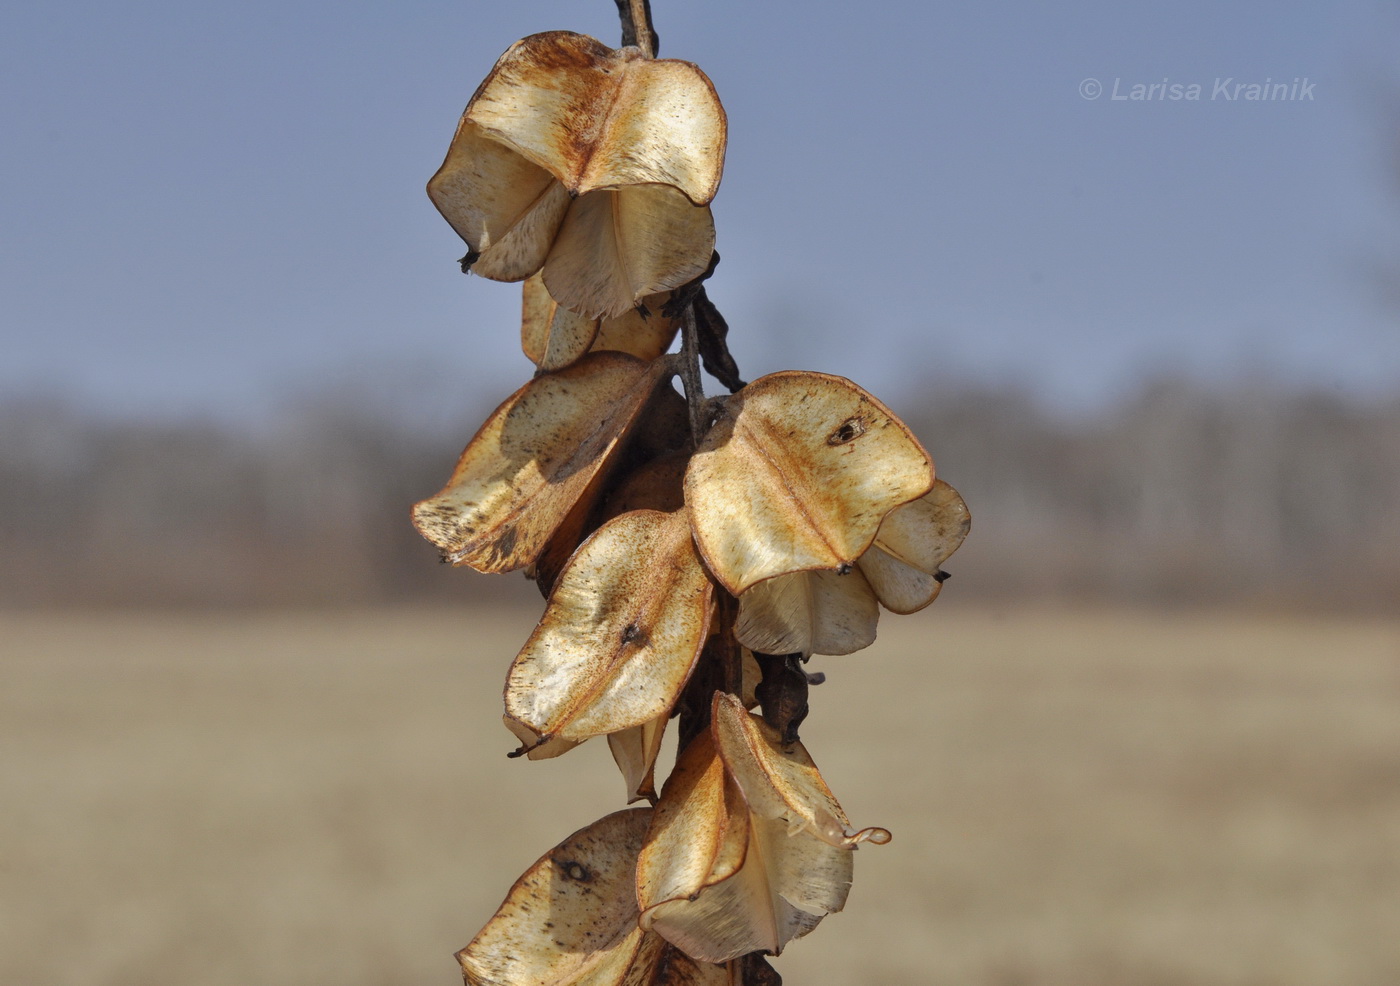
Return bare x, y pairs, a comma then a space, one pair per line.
624, 626
797, 474
533, 459
914, 540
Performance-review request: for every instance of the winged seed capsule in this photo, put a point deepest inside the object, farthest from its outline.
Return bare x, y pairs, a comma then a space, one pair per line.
594, 165
826, 612
571, 920
747, 848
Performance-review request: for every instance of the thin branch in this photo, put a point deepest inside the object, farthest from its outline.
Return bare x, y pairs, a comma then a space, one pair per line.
636, 26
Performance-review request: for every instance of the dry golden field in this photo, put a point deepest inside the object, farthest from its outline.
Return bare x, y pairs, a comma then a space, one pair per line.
1077, 799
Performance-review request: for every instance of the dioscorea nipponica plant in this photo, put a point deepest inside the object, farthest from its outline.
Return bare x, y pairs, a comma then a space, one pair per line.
694, 552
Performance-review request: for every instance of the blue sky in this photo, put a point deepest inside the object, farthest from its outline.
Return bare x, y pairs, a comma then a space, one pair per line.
208, 205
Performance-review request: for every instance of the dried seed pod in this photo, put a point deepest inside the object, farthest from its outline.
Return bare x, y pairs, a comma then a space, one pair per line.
645, 477
533, 459
572, 917
624, 626
914, 540
554, 337
710, 878
571, 920
825, 612
814, 612
597, 165
797, 474
634, 750
724, 871
779, 780
616, 247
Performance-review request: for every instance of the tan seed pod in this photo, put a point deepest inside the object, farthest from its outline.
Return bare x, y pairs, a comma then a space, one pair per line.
814, 612
596, 117
779, 780
797, 474
532, 460
571, 919
554, 337
747, 848
913, 542
824, 612
634, 750
710, 879
624, 626
617, 246
597, 165
645, 478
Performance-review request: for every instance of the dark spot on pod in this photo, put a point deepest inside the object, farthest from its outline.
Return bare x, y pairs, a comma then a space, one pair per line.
630, 633
850, 430
575, 871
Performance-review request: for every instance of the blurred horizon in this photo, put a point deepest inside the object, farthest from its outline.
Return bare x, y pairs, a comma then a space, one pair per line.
1247, 495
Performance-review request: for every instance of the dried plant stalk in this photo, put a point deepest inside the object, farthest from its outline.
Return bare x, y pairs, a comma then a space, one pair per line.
694, 552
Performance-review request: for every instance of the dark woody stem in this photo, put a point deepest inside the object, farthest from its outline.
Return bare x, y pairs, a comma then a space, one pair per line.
636, 26
690, 377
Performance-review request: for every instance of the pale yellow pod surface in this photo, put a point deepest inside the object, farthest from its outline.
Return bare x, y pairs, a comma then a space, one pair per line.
715, 881
617, 246
506, 208
571, 919
634, 750
913, 542
644, 336
554, 337
692, 842
813, 612
797, 474
596, 117
780, 781
624, 627
533, 458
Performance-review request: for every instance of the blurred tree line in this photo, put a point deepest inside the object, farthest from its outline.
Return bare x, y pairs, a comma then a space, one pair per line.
1248, 495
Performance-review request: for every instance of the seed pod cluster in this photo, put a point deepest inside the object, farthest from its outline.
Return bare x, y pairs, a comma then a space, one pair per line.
694, 553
